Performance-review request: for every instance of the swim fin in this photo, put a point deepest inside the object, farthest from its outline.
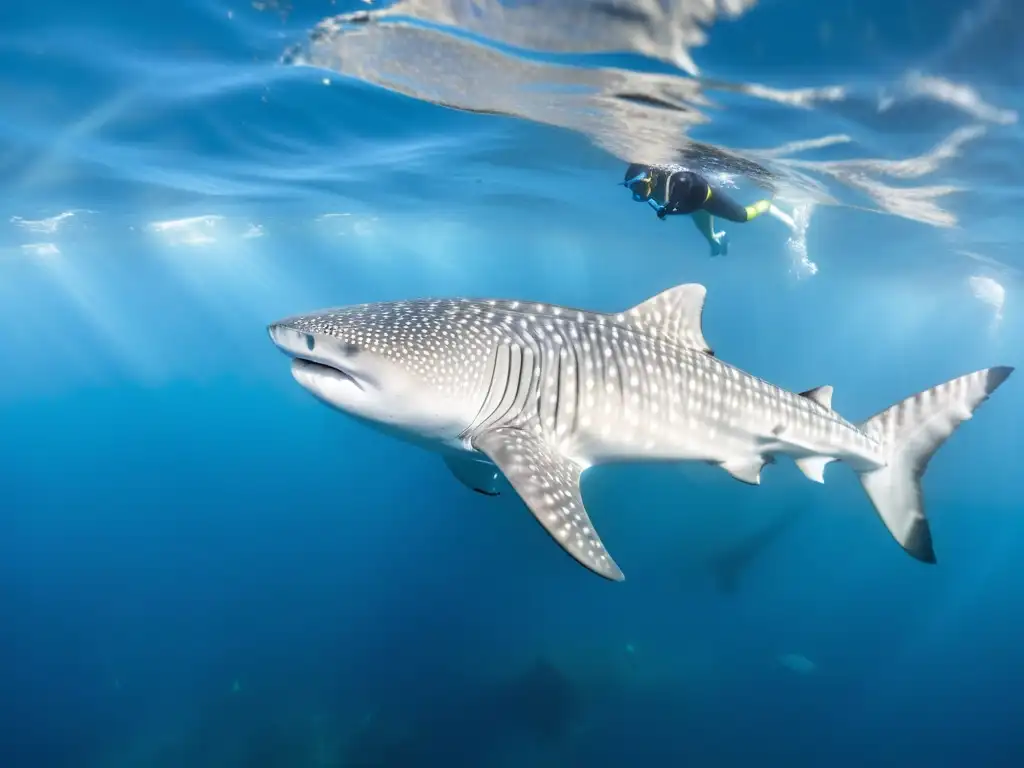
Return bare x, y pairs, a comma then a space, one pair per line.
720, 244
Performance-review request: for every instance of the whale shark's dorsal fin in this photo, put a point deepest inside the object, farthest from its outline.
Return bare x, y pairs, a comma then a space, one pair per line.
673, 315
821, 395
549, 484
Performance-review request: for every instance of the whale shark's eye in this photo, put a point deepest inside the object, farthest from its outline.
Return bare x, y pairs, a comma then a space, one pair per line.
310, 342
350, 349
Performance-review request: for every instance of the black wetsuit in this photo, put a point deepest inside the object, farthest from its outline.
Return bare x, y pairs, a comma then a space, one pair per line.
685, 192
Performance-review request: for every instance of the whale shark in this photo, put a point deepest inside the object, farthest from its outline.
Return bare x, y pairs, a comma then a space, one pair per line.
535, 394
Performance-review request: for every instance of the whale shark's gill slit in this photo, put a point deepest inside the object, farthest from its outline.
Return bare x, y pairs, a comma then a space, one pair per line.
504, 378
559, 372
565, 406
619, 355
497, 383
498, 376
597, 357
529, 383
520, 365
547, 408
519, 386
578, 367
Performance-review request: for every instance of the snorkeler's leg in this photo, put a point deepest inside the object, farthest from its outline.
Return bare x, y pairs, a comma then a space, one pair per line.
705, 224
720, 204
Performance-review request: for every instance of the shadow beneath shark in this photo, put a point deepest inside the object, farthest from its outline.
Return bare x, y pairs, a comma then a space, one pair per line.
534, 711
727, 566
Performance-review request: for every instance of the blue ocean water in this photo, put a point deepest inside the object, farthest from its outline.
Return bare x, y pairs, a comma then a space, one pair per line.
200, 565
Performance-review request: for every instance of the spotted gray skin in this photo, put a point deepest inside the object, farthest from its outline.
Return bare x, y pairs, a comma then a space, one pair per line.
538, 393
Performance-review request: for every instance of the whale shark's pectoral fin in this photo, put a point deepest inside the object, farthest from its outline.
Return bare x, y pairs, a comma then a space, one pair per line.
480, 476
549, 485
674, 315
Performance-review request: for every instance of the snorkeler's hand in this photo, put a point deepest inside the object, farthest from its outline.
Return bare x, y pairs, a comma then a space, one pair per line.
662, 213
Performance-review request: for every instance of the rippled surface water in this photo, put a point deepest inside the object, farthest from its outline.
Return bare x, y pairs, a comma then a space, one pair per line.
199, 566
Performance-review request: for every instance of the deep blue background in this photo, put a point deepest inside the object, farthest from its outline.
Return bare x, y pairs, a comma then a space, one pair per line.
200, 565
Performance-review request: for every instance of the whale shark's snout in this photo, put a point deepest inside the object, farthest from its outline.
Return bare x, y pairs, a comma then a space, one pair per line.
291, 340
383, 363
320, 364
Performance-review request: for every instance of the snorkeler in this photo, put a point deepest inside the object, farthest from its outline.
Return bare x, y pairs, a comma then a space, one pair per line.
678, 192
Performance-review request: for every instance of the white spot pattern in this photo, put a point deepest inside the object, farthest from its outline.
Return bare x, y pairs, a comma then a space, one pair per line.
549, 484
674, 315
549, 383
629, 384
447, 344
921, 422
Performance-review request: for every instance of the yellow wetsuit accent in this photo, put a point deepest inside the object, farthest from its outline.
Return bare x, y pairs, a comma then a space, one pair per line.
755, 210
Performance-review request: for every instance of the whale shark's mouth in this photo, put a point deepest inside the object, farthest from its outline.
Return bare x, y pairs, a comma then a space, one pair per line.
303, 368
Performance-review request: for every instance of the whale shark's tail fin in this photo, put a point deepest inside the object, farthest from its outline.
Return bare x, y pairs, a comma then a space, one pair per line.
911, 432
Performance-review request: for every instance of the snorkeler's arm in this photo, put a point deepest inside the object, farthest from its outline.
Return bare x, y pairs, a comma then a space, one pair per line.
680, 190
670, 210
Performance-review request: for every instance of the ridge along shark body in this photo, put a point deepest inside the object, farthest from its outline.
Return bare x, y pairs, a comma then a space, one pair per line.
539, 393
